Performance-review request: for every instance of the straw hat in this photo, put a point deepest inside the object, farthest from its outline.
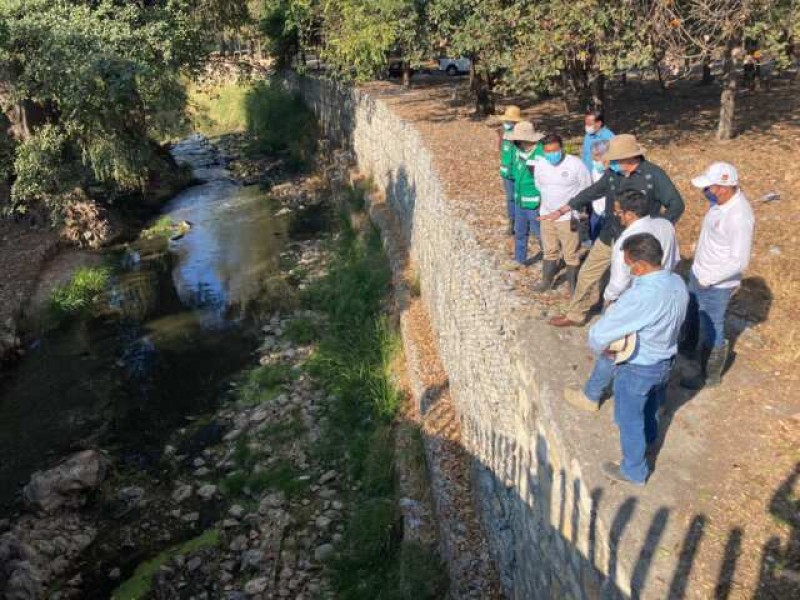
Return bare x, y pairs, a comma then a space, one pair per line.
524, 132
623, 146
512, 114
624, 347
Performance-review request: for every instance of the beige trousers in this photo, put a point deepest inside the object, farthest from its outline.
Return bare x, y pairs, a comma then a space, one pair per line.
587, 291
559, 240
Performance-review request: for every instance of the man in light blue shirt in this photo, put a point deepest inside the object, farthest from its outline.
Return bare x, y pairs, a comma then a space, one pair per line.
653, 308
596, 131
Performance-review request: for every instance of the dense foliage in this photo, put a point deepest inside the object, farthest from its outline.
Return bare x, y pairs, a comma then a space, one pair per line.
540, 46
87, 87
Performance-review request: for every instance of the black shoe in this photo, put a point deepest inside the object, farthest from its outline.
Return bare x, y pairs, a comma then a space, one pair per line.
613, 472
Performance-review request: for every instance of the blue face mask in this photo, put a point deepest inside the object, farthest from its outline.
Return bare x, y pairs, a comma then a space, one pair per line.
614, 166
598, 166
710, 196
553, 157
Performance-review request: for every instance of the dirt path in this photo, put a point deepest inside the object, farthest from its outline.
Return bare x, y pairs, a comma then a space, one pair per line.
740, 516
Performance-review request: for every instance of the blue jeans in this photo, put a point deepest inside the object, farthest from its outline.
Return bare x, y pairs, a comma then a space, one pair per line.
525, 223
600, 379
508, 188
595, 225
639, 390
705, 317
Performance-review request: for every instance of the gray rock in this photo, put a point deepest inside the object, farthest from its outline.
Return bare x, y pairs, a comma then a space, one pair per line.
236, 511
324, 552
194, 563
275, 500
207, 491
255, 586
191, 517
252, 559
182, 492
114, 573
323, 523
48, 490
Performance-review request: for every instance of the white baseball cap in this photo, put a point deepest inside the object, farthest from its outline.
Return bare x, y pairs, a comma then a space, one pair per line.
719, 173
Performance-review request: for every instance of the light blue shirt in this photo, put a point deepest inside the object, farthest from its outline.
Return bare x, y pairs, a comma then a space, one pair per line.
654, 307
590, 138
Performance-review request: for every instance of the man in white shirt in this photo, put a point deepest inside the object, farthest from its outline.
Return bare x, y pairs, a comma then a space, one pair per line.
632, 208
723, 253
559, 177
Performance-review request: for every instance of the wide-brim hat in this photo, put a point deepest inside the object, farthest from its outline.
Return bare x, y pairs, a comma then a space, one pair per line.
524, 131
624, 348
512, 114
622, 147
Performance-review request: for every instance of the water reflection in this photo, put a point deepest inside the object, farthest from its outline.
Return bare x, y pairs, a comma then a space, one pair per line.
172, 333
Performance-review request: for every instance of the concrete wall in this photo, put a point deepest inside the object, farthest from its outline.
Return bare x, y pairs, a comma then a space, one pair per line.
506, 370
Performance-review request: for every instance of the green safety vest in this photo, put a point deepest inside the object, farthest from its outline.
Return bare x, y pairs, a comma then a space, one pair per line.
507, 153
526, 194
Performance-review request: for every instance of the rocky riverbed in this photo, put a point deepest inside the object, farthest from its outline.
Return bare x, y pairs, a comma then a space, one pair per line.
236, 504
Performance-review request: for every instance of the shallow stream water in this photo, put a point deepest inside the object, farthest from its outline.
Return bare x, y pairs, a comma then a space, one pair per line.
173, 327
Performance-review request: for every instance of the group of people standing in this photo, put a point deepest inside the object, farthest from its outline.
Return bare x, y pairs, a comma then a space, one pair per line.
649, 313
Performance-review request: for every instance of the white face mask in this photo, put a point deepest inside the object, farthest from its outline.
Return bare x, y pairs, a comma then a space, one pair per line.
598, 166
508, 126
589, 130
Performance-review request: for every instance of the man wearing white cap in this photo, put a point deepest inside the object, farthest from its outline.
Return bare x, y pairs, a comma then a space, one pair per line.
723, 253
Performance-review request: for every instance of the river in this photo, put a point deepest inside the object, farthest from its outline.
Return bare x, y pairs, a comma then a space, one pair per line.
172, 330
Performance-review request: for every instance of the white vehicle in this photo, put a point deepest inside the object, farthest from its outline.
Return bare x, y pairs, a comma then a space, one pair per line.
455, 66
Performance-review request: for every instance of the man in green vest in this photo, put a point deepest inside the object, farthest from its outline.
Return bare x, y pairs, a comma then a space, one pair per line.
526, 195
508, 152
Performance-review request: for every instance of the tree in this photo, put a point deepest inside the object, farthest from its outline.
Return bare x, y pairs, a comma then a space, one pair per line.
359, 35
89, 86
481, 30
575, 45
719, 29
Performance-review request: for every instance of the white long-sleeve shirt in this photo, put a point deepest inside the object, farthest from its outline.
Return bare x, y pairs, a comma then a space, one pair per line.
726, 238
560, 183
663, 231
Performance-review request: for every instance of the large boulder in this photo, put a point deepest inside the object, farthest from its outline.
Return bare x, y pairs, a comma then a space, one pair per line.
64, 484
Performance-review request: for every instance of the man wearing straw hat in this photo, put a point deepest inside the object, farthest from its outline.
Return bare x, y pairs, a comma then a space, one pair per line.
635, 341
508, 152
627, 170
526, 195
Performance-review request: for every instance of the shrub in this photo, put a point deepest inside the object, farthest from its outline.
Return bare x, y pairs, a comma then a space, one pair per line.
280, 123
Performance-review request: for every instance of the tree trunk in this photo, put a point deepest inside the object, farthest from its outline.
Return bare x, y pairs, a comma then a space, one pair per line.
727, 103
482, 88
707, 78
406, 74
657, 67
599, 92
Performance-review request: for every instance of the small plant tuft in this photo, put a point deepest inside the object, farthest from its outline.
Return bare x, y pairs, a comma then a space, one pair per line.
77, 297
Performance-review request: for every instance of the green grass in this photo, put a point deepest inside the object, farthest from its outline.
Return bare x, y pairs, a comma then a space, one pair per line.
263, 383
162, 228
140, 583
218, 110
302, 331
77, 296
281, 476
353, 362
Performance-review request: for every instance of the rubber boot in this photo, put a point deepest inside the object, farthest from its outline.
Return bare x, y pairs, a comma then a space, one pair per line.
698, 381
572, 280
716, 365
549, 270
